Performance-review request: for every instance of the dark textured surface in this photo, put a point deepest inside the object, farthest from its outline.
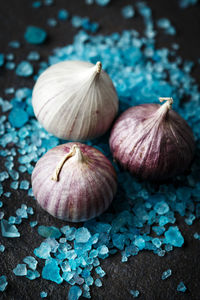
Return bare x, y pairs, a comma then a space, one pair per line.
142, 272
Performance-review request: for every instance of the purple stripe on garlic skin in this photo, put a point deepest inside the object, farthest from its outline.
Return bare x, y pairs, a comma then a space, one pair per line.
152, 141
83, 186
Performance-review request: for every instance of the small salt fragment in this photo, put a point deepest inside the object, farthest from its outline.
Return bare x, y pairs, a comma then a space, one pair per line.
65, 266
43, 294
74, 293
157, 242
100, 271
128, 12
3, 175
33, 223
20, 212
139, 242
134, 293
3, 283
50, 231
9, 230
31, 262
1, 59
22, 169
2, 248
89, 280
7, 194
9, 91
30, 210
32, 275
11, 220
10, 56
1, 204
166, 274
43, 251
1, 215
20, 270
63, 14
181, 287
24, 69
51, 271
102, 2
51, 22
168, 247
161, 208
82, 235
18, 117
98, 282
36, 4
159, 230
24, 185
196, 236
14, 44
48, 2
174, 237
33, 55
102, 250
35, 35
76, 21
187, 3
10, 65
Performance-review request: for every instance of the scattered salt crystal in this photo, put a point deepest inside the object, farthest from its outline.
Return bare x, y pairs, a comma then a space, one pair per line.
181, 287
20, 270
166, 274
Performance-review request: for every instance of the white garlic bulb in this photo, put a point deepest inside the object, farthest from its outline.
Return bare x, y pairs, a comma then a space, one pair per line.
75, 100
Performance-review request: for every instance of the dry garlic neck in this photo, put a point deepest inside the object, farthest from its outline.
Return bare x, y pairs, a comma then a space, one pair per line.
76, 153
168, 103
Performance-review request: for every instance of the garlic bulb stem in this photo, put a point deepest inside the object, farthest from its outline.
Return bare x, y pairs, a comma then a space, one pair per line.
168, 99
76, 152
99, 67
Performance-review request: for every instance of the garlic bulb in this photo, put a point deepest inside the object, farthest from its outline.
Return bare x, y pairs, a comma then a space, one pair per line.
75, 100
74, 182
152, 141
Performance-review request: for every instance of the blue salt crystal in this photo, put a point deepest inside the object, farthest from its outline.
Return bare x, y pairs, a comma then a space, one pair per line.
134, 293
67, 276
196, 236
52, 22
161, 208
30, 211
9, 230
49, 231
168, 247
1, 204
76, 21
48, 2
24, 185
31, 262
118, 240
35, 35
181, 287
78, 279
24, 69
82, 235
51, 271
9, 91
163, 220
52, 243
3, 283
2, 248
17, 117
43, 251
187, 3
10, 56
98, 282
33, 55
7, 194
102, 2
33, 223
174, 237
157, 242
65, 266
102, 250
1, 59
14, 44
10, 65
18, 220
43, 294
20, 212
159, 230
89, 280
32, 275
128, 11
139, 242
166, 274
100, 271
93, 253
20, 270
74, 293
36, 4
3, 175
189, 220
63, 14
11, 220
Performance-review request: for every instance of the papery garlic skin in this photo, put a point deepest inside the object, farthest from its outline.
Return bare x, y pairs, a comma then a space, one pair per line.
74, 182
75, 100
152, 141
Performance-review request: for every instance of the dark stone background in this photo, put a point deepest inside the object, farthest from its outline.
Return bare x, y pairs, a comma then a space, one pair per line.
142, 272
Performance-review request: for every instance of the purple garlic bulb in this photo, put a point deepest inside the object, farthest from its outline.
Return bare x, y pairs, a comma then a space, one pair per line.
152, 141
74, 182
